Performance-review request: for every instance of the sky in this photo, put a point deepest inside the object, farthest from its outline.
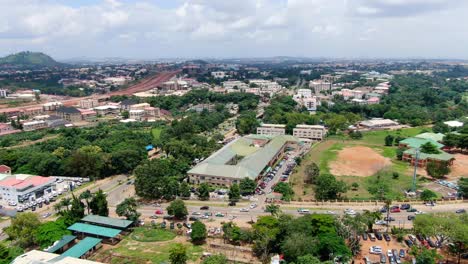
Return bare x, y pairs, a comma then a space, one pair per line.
151, 29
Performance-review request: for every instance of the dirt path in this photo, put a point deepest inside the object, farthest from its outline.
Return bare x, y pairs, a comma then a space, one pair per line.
28, 142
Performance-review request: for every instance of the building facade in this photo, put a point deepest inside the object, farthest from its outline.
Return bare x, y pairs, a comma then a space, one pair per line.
271, 130
21, 188
312, 132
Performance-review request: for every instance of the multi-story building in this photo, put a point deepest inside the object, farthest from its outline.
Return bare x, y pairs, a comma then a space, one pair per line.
34, 125
319, 86
105, 110
71, 114
271, 129
3, 93
235, 85
218, 74
51, 106
22, 188
141, 106
88, 103
313, 132
136, 114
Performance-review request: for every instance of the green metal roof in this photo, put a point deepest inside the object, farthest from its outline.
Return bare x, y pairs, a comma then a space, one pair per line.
61, 243
82, 247
94, 230
107, 221
441, 156
255, 158
432, 136
415, 142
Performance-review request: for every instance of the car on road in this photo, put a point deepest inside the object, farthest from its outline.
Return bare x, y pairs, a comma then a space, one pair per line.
431, 203
375, 250
254, 205
219, 214
232, 203
303, 211
381, 222
204, 217
331, 212
244, 210
350, 212
418, 212
460, 211
205, 207
209, 214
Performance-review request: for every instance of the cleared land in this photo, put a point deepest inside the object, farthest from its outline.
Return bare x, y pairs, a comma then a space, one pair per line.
358, 161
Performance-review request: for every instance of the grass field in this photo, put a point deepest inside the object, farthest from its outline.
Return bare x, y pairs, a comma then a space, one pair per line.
326, 152
144, 234
156, 132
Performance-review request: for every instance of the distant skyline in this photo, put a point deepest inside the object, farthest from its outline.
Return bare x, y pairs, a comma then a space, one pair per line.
152, 29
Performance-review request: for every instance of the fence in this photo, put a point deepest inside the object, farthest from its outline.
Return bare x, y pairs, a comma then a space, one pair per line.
369, 202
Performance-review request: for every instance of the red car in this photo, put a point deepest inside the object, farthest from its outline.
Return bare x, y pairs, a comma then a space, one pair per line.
395, 210
159, 212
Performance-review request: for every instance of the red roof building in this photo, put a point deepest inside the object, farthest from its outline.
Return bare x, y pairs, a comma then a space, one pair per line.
5, 169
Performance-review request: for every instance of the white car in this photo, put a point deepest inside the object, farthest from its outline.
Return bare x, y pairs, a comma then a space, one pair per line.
254, 205
350, 212
380, 222
389, 253
418, 212
331, 212
244, 210
375, 250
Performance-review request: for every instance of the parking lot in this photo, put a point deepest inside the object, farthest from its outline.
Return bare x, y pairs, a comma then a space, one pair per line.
375, 257
280, 172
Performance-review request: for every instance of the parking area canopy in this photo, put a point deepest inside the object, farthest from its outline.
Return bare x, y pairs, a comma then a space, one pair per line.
107, 221
95, 230
82, 247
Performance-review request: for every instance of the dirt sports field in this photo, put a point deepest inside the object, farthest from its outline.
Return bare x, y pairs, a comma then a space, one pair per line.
358, 161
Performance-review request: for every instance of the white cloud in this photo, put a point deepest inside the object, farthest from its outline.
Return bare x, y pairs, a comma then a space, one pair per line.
193, 28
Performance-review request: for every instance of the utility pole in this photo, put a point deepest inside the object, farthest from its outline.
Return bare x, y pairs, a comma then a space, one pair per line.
415, 169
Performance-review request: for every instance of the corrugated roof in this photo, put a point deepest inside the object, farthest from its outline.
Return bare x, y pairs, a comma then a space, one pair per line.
61, 243
255, 158
432, 136
415, 142
94, 230
82, 247
441, 156
108, 221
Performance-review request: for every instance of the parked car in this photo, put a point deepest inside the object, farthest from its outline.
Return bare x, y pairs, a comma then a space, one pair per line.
387, 237
405, 206
159, 212
205, 207
364, 236
378, 235
218, 214
208, 214
411, 217
383, 259
408, 242
395, 210
375, 250
193, 218
244, 210
460, 211
168, 217
367, 260
389, 219
402, 253
232, 203
371, 236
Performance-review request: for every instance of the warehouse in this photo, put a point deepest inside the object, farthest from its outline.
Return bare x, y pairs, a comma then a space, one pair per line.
248, 156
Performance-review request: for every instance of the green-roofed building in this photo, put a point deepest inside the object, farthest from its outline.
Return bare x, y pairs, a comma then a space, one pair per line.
437, 137
423, 158
61, 245
245, 157
415, 142
81, 230
84, 248
104, 221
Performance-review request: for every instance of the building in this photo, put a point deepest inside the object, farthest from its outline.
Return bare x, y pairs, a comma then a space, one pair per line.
319, 86
34, 125
106, 110
250, 156
51, 106
416, 142
218, 74
232, 86
109, 222
33, 111
141, 106
69, 113
201, 107
42, 257
436, 137
373, 100
5, 128
89, 103
301, 93
271, 130
21, 188
127, 103
454, 123
136, 114
3, 93
304, 97
378, 123
88, 115
4, 169
312, 132
424, 158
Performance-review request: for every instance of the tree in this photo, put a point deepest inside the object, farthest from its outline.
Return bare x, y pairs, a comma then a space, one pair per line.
389, 140
76, 211
309, 259
184, 190
429, 148
369, 218
98, 204
215, 259
355, 135
273, 209
125, 114
87, 161
247, 123
399, 153
49, 232
395, 175
285, 189
329, 188
22, 229
355, 186
128, 208
231, 232
234, 193
438, 169
178, 254
178, 209
247, 186
330, 246
296, 245
440, 127
312, 171
424, 255
204, 192
463, 185
198, 234
86, 195
428, 195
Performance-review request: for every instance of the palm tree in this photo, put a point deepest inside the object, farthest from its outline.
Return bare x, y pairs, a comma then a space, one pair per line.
86, 195
273, 209
369, 218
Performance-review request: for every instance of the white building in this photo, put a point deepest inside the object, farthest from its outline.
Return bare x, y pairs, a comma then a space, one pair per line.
267, 86
319, 86
3, 93
235, 85
218, 74
34, 125
42, 257
304, 93
271, 129
51, 106
22, 187
88, 103
454, 123
313, 132
304, 97
136, 114
378, 123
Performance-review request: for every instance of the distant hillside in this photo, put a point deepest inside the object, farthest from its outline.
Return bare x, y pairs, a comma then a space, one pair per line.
29, 59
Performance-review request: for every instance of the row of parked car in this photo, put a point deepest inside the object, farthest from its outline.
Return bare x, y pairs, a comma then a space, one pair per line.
393, 255
420, 240
448, 184
376, 235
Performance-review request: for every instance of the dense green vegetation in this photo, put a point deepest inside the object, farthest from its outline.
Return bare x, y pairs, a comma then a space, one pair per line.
29, 59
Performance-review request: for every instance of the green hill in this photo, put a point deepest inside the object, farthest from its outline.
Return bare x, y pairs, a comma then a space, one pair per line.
29, 59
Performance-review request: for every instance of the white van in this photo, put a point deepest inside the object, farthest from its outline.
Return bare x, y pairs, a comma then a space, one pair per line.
303, 211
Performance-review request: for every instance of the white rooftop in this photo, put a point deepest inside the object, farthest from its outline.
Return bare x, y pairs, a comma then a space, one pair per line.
454, 123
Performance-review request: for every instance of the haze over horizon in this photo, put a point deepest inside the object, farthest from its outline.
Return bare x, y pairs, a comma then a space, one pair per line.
154, 29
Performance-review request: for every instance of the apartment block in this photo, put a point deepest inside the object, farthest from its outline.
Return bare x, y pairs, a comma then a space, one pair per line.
313, 132
271, 130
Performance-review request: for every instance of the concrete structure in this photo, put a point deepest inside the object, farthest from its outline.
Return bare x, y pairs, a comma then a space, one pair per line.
454, 123
127, 103
42, 257
51, 106
33, 111
22, 187
378, 123
200, 107
312, 132
34, 125
271, 129
218, 74
88, 115
231, 86
250, 156
319, 86
136, 114
3, 93
5, 128
141, 106
89, 103
105, 110
71, 114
